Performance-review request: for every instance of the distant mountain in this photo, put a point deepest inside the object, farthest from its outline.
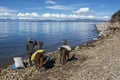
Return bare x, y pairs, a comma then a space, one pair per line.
84, 20
44, 20
14, 20
30, 20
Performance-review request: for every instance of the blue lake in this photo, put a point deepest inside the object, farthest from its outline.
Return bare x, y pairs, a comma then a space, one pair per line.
13, 35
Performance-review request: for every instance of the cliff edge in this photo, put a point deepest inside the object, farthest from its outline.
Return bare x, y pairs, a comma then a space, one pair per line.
107, 28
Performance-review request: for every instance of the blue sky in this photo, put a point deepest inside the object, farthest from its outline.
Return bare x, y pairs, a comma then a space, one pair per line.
58, 9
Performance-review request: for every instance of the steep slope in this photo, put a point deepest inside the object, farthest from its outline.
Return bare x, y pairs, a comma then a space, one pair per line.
115, 17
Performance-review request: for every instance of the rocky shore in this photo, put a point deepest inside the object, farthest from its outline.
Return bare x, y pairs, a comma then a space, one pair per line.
97, 60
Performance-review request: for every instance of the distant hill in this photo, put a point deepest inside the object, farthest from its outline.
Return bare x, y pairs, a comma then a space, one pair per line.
115, 17
30, 20
84, 20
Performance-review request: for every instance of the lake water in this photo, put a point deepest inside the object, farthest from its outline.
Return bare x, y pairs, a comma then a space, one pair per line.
13, 35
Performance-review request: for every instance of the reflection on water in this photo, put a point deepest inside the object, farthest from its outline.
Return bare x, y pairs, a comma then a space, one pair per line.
13, 35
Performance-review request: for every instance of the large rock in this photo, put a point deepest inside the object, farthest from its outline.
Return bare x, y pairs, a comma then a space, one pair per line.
115, 17
116, 24
103, 28
107, 28
111, 26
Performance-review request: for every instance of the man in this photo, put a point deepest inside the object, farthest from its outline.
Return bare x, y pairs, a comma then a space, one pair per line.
30, 48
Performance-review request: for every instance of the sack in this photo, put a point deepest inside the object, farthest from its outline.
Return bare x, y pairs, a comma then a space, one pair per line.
13, 67
47, 58
66, 47
18, 62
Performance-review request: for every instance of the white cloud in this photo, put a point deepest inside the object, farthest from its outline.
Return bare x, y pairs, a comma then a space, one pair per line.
46, 15
59, 7
51, 16
58, 16
88, 17
24, 18
73, 16
55, 16
83, 11
63, 16
5, 14
50, 2
106, 17
28, 14
81, 17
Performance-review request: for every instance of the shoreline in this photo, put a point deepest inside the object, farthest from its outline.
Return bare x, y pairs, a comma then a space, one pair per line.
98, 59
9, 61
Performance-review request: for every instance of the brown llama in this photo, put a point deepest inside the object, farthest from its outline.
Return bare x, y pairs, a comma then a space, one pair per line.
38, 61
64, 53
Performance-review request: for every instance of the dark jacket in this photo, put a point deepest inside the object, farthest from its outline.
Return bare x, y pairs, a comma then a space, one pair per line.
30, 46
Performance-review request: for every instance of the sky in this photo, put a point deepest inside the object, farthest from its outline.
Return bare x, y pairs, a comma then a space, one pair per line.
58, 9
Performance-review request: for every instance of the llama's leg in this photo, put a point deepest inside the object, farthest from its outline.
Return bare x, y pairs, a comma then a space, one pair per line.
40, 63
30, 62
35, 64
67, 55
60, 56
63, 57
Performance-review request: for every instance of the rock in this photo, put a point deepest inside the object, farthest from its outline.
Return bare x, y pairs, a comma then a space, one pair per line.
103, 26
77, 48
95, 39
115, 17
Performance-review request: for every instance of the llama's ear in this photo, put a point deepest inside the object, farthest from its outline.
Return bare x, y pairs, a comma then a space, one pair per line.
35, 42
65, 40
40, 42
